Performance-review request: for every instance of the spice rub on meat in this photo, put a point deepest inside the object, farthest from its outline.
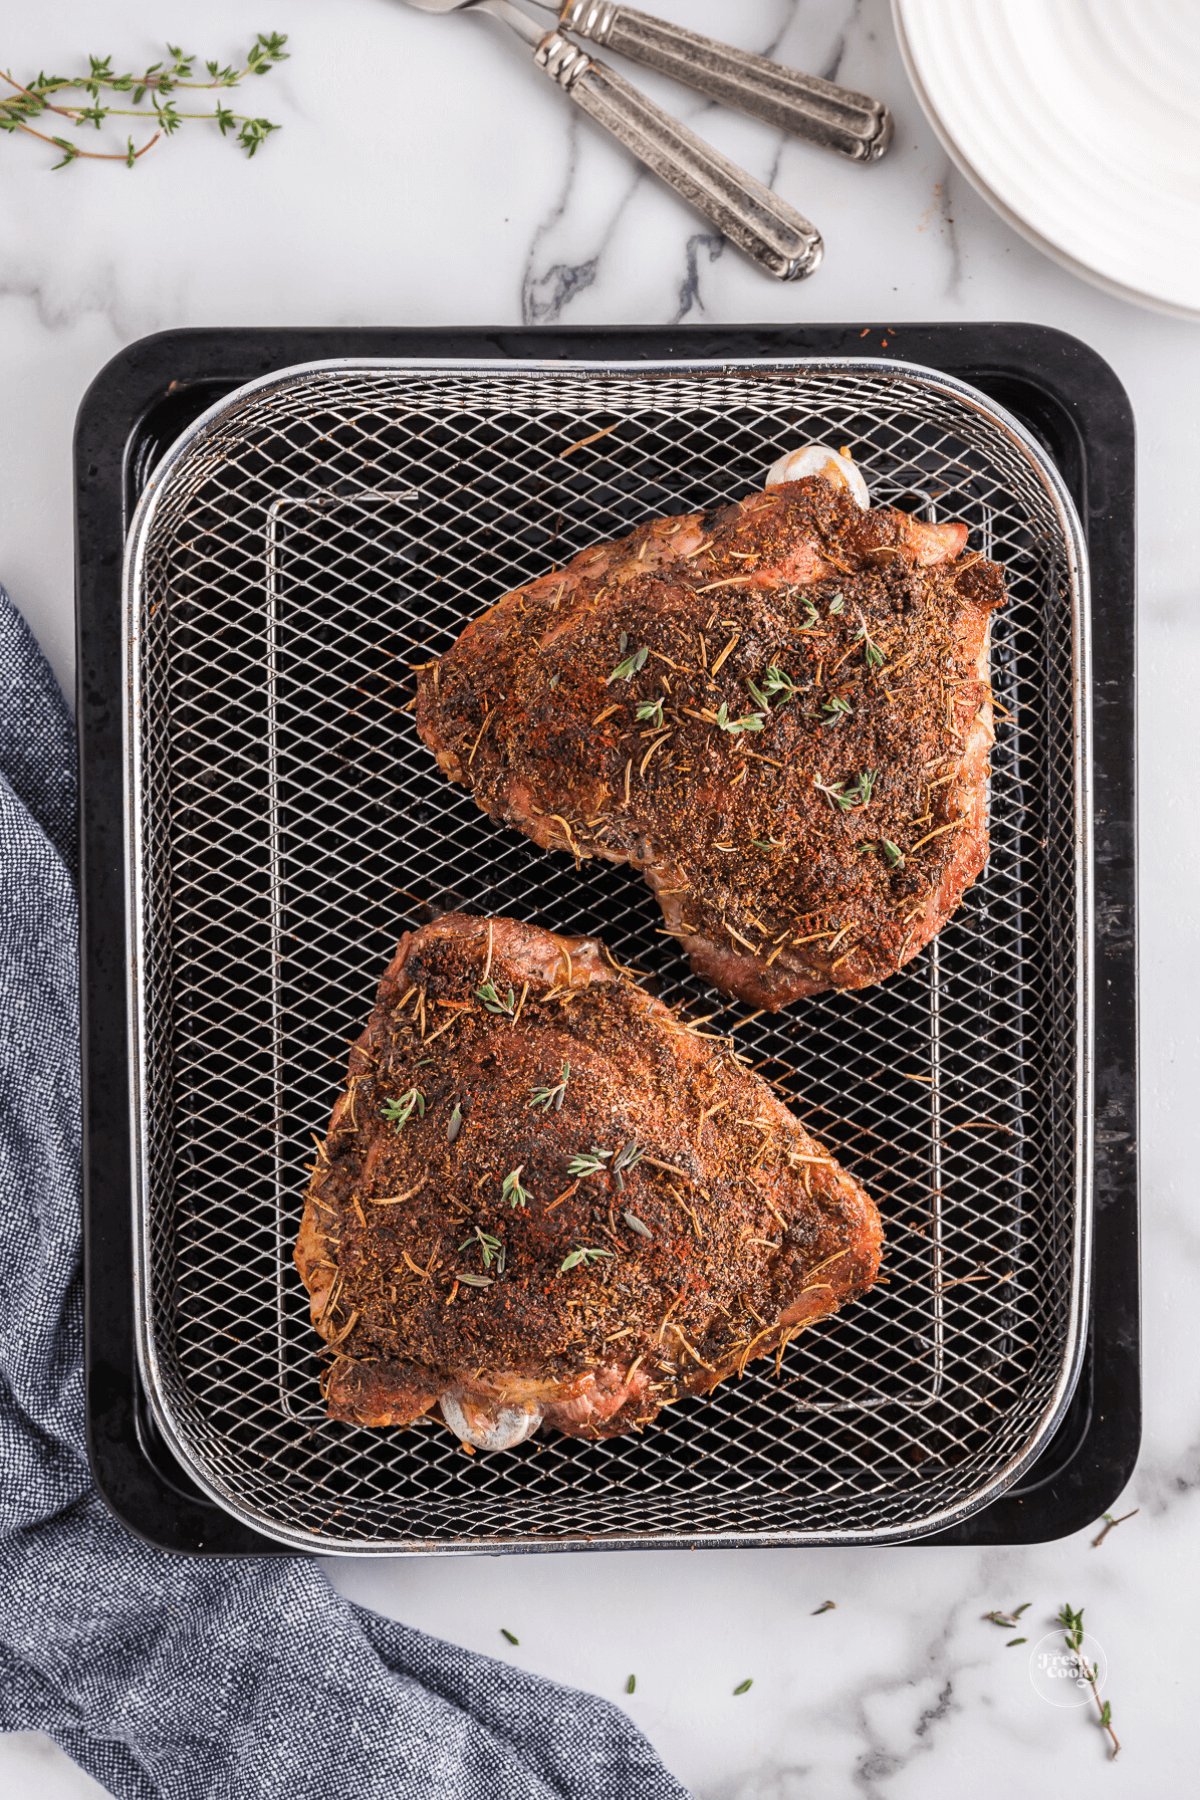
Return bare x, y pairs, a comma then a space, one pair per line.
779, 712
544, 1197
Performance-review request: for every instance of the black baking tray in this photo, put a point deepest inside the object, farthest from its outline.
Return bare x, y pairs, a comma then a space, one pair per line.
1071, 401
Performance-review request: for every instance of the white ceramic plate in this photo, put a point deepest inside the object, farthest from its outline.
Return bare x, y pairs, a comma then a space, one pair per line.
1079, 120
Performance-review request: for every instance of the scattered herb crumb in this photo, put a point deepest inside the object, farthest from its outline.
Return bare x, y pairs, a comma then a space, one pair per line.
745, 1686
631, 1684
825, 1606
1012, 1641
505, 1632
1010, 1620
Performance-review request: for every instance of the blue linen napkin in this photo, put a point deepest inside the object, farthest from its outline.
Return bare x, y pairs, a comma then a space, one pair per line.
192, 1678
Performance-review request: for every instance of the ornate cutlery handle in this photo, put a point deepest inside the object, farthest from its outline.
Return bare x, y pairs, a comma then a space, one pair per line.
762, 225
835, 117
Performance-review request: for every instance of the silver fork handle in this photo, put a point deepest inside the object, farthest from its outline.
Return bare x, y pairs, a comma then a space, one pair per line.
835, 117
769, 231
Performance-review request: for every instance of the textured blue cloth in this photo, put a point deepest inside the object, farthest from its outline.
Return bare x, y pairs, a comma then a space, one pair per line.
183, 1677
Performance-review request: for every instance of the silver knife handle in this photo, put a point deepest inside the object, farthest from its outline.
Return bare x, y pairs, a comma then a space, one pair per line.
803, 105
769, 231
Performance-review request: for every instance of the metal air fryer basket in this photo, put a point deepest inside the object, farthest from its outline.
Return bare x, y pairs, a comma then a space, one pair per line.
304, 542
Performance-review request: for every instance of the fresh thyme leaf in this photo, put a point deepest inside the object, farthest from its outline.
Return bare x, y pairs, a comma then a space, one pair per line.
745, 1686
751, 722
625, 671
504, 1632
474, 1280
652, 710
825, 1606
778, 681
399, 1112
837, 707
1012, 1642
812, 618
628, 1156
512, 1191
766, 843
491, 999
589, 1163
635, 1224
547, 1097
631, 1685
837, 605
851, 799
454, 1125
582, 1255
894, 854
489, 1247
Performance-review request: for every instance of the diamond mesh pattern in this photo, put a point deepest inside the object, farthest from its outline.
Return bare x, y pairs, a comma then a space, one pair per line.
310, 542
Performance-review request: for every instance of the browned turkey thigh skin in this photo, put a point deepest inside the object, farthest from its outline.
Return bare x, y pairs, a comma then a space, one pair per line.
730, 1231
809, 834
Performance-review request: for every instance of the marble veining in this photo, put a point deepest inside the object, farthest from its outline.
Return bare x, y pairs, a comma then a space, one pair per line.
427, 173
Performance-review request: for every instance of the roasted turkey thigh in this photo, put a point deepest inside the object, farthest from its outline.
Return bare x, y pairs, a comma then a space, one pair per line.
779, 712
544, 1197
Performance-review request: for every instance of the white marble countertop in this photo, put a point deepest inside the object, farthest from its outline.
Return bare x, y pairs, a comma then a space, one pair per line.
426, 174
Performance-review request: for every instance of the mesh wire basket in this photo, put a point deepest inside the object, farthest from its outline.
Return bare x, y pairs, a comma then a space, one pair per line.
300, 546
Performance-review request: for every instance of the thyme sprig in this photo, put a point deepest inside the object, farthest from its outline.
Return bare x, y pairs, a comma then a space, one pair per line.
547, 1097
837, 706
837, 604
1072, 1624
40, 98
399, 1112
512, 1190
490, 996
851, 799
652, 710
584, 1255
1109, 1523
